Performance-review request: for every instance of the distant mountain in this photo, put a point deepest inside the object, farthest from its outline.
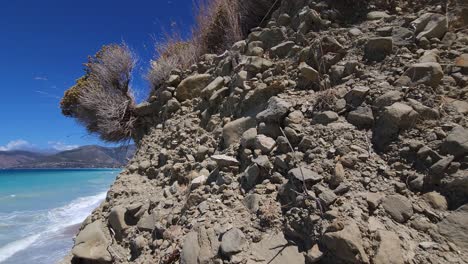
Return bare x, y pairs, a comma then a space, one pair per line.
83, 157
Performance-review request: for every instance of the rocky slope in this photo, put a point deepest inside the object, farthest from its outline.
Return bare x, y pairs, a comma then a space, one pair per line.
312, 141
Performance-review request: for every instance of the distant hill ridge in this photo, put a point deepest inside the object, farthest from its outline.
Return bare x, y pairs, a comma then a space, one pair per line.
82, 157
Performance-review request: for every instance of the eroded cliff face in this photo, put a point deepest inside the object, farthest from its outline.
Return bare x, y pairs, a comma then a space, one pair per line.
309, 142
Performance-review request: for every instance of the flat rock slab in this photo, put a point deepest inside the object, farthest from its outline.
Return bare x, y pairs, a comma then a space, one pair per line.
275, 249
225, 161
304, 174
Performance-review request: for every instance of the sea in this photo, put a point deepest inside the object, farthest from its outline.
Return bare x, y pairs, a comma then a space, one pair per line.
41, 210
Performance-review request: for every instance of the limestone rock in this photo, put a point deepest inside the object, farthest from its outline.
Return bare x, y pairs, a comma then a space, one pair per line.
429, 73
456, 142
257, 64
304, 174
362, 117
225, 161
325, 118
455, 227
390, 250
264, 143
92, 244
396, 117
346, 245
276, 110
192, 86
275, 249
399, 207
117, 221
308, 72
232, 242
376, 15
378, 48
233, 131
283, 49
430, 25
214, 86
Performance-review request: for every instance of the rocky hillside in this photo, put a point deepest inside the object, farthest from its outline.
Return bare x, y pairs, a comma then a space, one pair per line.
82, 157
312, 141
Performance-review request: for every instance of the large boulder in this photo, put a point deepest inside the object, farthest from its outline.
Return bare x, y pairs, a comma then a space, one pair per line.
232, 131
345, 245
91, 244
429, 73
192, 86
430, 25
456, 142
455, 227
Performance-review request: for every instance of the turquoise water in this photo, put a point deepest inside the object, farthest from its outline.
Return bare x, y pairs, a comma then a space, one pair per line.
40, 210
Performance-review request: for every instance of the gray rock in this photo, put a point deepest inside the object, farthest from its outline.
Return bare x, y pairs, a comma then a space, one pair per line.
390, 250
327, 197
192, 86
275, 249
240, 46
388, 99
308, 72
257, 64
269, 36
304, 174
283, 49
147, 222
199, 181
376, 15
251, 174
356, 96
398, 207
190, 249
455, 227
117, 221
345, 245
424, 112
214, 86
233, 131
325, 118
248, 138
378, 48
456, 143
402, 36
264, 143
429, 73
362, 117
396, 117
430, 26
232, 242
294, 117
460, 106
276, 110
91, 244
252, 201
225, 161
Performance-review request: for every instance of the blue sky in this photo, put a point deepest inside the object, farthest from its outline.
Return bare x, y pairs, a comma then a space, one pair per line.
43, 45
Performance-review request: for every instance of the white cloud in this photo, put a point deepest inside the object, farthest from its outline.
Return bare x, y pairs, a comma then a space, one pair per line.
18, 144
40, 78
60, 146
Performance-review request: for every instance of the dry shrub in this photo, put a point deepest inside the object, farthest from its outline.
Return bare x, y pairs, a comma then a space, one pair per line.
219, 24
101, 100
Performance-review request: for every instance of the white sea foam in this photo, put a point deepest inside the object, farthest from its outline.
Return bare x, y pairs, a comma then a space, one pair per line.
48, 224
18, 245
